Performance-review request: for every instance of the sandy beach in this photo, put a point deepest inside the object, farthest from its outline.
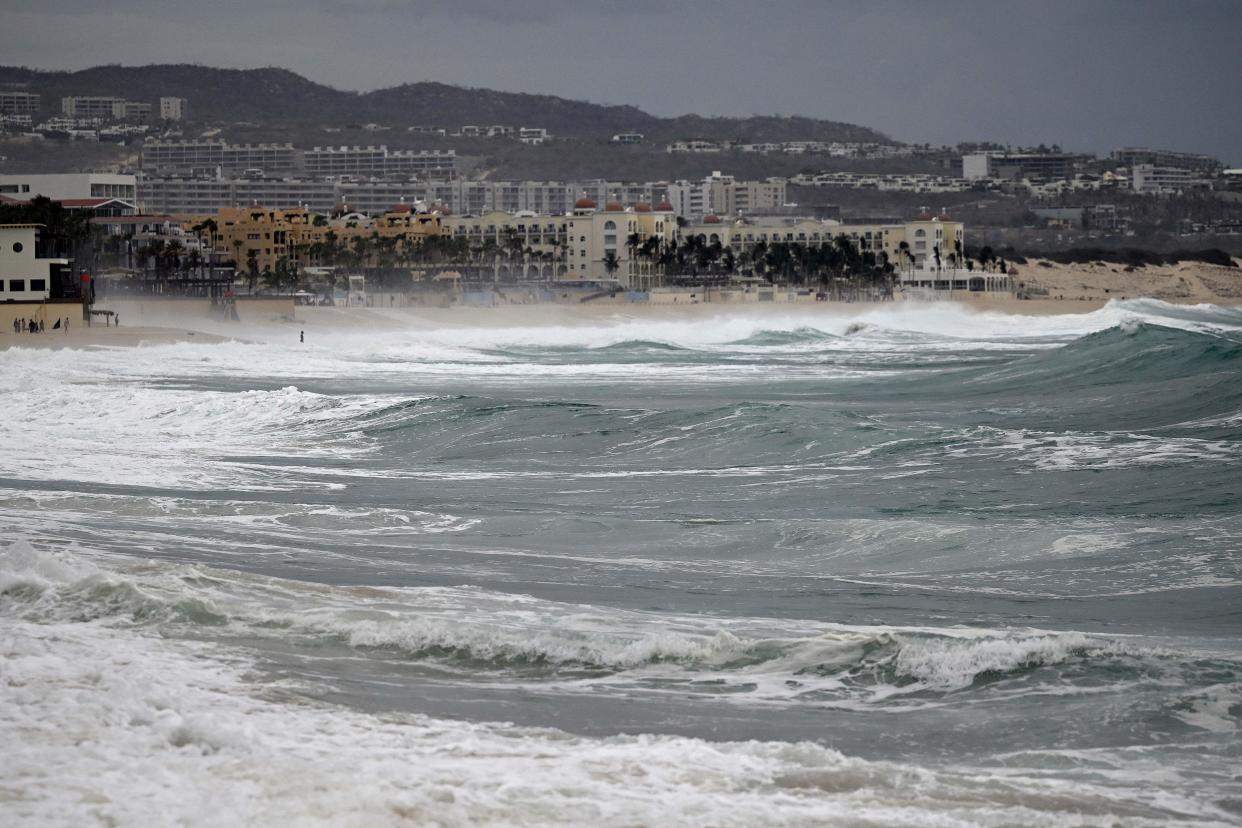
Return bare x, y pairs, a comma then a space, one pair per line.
102, 337
1059, 289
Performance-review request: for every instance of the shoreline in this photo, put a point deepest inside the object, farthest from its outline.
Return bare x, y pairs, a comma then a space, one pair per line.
100, 337
316, 319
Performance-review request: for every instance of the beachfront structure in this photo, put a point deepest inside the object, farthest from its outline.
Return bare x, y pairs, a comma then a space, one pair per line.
25, 275
586, 244
925, 244
19, 103
260, 237
70, 186
267, 239
174, 109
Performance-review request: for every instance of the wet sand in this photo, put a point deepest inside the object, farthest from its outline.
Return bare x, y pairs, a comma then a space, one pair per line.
102, 337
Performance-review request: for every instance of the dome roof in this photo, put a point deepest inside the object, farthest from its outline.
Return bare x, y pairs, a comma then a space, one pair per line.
402, 208
711, 220
614, 207
642, 207
584, 203
664, 206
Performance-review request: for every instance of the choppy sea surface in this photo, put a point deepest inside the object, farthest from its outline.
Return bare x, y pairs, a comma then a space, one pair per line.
912, 566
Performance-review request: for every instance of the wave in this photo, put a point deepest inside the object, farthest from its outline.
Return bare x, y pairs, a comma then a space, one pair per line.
532, 640
773, 338
171, 723
1132, 350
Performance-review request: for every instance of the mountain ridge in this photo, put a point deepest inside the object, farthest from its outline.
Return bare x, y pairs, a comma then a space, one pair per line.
274, 96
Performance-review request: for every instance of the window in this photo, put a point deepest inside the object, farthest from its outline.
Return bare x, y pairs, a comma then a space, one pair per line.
17, 285
610, 225
38, 284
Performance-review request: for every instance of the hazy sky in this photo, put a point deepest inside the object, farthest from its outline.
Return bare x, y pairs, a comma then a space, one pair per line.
1088, 74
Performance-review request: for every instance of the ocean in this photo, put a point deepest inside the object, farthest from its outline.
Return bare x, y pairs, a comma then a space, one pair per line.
905, 566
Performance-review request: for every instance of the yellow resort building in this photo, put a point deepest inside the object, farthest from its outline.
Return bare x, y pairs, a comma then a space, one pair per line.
588, 244
911, 245
294, 237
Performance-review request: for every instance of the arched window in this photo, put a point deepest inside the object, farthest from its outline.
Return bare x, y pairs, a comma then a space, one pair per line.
918, 234
610, 226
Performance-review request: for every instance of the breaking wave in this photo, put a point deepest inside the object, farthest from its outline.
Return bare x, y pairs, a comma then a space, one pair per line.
521, 638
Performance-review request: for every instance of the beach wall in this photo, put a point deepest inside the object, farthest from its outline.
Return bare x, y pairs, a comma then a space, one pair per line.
47, 312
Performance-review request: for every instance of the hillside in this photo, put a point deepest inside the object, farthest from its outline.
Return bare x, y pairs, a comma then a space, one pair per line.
279, 98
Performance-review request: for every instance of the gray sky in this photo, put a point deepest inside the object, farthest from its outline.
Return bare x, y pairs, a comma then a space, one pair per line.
1088, 74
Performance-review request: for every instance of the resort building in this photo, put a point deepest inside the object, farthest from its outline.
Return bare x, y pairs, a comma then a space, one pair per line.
174, 109
268, 238
1148, 179
70, 186
378, 162
90, 106
927, 243
586, 244
131, 111
262, 238
720, 194
1034, 166
212, 157
1133, 156
18, 103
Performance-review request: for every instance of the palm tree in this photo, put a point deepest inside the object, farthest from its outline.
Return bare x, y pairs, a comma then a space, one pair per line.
172, 255
252, 267
611, 263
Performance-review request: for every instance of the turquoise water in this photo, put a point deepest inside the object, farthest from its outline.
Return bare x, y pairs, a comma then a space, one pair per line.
906, 566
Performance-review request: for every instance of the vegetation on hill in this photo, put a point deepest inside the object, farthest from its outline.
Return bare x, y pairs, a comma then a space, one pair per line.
274, 96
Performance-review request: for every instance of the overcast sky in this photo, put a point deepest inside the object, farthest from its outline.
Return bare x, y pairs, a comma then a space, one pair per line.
1087, 74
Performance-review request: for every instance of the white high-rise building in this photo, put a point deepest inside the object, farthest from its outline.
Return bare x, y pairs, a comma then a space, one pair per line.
174, 109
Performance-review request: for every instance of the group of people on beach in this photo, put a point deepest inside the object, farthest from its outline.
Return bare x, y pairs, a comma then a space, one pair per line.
38, 325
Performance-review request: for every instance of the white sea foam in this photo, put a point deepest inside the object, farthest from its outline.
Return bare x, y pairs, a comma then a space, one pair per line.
1077, 451
496, 632
108, 726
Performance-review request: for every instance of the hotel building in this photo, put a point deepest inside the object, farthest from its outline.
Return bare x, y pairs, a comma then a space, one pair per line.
18, 103
585, 244
70, 186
